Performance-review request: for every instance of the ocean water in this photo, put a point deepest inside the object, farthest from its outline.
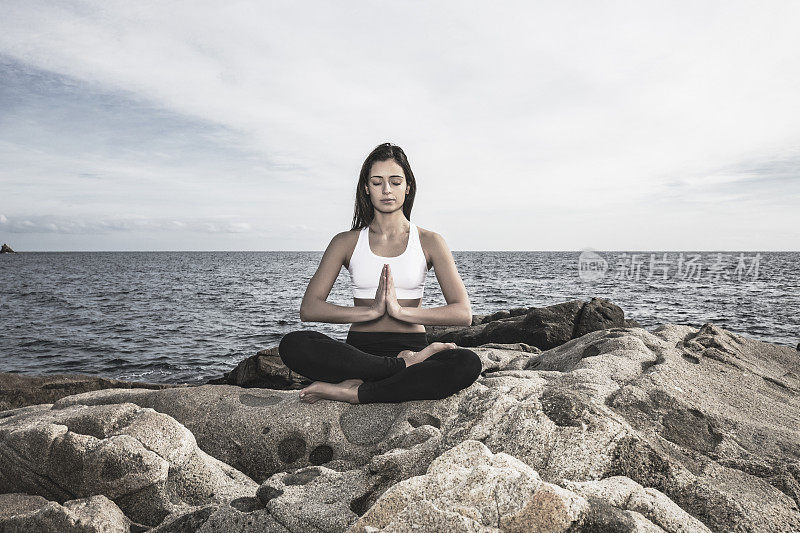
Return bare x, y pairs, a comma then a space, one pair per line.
169, 317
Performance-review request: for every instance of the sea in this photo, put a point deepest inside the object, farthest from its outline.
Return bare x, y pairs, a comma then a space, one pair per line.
186, 317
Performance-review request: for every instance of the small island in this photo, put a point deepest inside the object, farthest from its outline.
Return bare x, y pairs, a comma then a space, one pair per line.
6, 249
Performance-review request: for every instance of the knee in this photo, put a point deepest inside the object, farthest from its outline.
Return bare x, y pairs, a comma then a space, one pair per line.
469, 366
292, 344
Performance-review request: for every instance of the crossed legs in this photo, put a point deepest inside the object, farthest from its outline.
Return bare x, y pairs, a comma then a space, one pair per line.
345, 373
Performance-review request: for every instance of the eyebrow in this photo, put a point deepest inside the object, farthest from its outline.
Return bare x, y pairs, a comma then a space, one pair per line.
392, 176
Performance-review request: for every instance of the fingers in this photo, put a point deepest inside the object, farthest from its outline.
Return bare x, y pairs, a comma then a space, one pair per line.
382, 281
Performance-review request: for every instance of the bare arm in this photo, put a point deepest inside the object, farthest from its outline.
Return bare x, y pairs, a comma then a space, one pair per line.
458, 311
314, 307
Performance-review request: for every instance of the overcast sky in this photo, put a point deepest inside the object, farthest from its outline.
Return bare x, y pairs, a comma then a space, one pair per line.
529, 126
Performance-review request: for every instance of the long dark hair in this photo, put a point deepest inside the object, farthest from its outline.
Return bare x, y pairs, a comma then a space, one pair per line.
364, 212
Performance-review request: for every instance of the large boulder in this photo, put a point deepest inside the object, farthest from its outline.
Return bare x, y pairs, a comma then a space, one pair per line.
469, 488
266, 370
144, 461
23, 513
719, 420
19, 390
543, 327
624, 493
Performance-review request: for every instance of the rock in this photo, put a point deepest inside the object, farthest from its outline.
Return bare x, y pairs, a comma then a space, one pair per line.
689, 425
597, 314
264, 370
6, 249
19, 390
22, 513
15, 503
144, 461
468, 488
314, 498
624, 493
499, 315
518, 346
543, 327
318, 497
223, 518
720, 419
262, 432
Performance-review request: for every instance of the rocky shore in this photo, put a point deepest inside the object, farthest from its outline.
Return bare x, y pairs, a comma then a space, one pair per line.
581, 420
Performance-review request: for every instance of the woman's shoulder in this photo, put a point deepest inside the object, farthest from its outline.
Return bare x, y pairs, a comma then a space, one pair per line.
346, 240
347, 233
345, 243
428, 236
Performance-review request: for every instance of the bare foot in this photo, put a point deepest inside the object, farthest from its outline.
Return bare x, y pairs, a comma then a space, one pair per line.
346, 391
412, 358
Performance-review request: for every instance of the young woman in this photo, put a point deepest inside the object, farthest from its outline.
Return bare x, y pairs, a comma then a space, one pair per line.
386, 357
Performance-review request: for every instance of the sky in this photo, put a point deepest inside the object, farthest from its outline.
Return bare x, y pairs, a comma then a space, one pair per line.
529, 125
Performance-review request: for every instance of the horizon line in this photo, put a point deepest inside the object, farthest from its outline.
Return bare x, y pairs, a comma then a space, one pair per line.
298, 251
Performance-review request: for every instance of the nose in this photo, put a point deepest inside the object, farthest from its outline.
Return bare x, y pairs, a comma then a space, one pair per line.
386, 187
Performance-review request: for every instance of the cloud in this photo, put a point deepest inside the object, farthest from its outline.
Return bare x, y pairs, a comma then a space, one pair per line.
266, 110
95, 226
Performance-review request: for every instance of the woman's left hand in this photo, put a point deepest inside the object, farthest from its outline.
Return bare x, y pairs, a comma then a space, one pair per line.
393, 307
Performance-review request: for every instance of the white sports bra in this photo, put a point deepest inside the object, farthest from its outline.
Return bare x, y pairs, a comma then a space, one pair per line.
409, 269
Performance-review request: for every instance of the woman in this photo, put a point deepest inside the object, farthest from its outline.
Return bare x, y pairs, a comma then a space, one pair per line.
386, 357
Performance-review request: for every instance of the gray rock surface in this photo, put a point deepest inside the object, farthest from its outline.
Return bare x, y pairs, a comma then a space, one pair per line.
144, 461
19, 390
23, 513
624, 493
620, 429
468, 488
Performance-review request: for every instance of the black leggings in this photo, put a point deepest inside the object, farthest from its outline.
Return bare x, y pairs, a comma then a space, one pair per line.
372, 356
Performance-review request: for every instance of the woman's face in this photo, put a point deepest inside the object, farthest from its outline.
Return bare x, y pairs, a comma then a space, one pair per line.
387, 181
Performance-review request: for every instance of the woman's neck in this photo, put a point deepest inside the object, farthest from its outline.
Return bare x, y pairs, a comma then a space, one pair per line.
390, 224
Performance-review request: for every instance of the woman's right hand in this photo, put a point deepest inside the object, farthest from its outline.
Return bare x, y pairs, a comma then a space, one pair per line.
379, 305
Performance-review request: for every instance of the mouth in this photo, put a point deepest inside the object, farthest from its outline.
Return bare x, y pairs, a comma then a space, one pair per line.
387, 201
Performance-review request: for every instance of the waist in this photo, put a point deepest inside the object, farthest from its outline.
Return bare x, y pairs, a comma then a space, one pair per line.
387, 343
